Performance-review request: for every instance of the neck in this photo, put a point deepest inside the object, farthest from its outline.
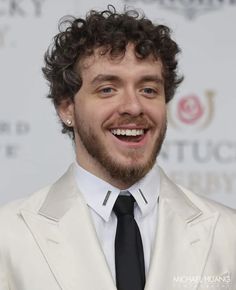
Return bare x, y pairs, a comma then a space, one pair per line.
104, 175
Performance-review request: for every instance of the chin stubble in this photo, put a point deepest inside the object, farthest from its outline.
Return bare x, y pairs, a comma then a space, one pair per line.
124, 174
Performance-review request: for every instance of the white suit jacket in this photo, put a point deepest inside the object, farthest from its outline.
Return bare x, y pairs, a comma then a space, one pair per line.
48, 242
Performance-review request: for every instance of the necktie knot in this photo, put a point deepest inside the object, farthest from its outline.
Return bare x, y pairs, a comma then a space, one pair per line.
124, 205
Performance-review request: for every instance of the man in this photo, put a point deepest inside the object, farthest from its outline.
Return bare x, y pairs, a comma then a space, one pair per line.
115, 220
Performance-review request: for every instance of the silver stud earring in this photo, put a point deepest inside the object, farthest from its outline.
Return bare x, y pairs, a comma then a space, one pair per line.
68, 122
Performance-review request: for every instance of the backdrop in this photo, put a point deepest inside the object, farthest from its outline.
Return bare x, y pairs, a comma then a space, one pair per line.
200, 148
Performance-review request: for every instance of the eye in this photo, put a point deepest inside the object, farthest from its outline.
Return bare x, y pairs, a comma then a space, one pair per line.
106, 90
149, 92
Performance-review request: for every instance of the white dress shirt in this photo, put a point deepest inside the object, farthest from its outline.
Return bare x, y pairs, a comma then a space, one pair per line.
100, 196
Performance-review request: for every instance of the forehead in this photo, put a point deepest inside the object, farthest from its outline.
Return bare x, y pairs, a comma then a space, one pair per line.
128, 62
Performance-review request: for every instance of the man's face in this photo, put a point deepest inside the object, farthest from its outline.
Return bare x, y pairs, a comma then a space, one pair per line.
119, 116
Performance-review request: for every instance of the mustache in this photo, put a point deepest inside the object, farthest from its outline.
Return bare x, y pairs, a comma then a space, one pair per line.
141, 121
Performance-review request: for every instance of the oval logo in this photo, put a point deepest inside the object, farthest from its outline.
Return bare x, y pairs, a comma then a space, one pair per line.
189, 109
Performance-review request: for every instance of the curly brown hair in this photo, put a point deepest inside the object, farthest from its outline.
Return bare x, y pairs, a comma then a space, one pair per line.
111, 31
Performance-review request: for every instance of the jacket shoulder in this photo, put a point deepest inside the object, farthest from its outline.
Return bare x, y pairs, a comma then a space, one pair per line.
226, 214
10, 211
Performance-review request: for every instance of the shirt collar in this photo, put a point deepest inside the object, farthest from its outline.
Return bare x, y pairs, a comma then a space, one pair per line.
101, 196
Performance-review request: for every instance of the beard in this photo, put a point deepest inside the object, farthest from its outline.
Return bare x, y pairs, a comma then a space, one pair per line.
125, 174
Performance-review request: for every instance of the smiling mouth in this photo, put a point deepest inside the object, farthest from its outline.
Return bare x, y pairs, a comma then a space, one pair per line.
129, 135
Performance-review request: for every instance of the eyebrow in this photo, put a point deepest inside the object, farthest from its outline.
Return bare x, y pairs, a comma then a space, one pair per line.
152, 78
103, 77
146, 78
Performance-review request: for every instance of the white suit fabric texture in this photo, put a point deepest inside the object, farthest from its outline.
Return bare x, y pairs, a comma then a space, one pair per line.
48, 241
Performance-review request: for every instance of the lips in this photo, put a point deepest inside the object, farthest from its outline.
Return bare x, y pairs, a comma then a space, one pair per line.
129, 135
130, 131
127, 132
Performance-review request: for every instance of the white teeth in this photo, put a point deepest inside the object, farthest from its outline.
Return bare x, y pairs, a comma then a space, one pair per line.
127, 132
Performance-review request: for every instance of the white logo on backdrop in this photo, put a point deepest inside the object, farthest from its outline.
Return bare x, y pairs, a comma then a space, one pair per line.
189, 8
22, 8
16, 9
12, 135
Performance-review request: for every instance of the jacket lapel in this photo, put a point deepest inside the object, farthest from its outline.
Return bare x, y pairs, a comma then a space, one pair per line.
64, 232
184, 237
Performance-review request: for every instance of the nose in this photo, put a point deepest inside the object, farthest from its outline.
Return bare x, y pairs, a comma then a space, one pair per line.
130, 103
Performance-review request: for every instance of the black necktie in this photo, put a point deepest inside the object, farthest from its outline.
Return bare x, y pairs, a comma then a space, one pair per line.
129, 258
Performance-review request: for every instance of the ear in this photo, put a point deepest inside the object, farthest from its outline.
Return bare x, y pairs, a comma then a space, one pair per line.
66, 112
